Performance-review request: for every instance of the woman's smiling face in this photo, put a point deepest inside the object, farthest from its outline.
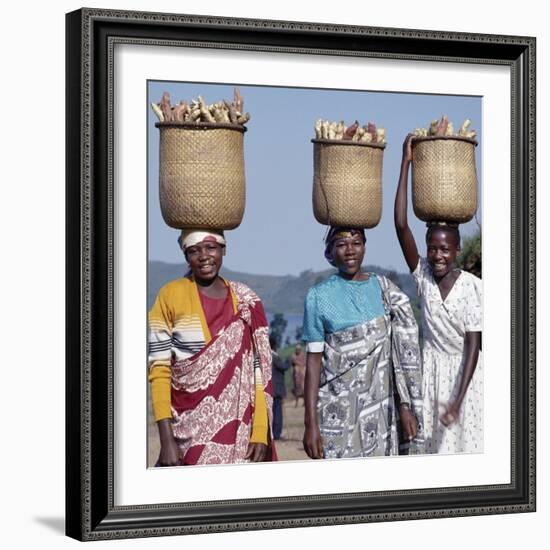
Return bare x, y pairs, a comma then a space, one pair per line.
442, 252
205, 259
348, 253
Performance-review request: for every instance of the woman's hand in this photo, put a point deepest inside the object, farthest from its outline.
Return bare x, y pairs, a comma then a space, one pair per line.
313, 444
169, 454
169, 450
451, 414
256, 452
408, 422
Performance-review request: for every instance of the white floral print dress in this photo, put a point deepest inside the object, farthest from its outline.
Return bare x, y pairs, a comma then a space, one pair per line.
445, 323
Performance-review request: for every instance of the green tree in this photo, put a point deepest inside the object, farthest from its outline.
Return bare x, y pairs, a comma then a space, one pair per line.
277, 328
469, 258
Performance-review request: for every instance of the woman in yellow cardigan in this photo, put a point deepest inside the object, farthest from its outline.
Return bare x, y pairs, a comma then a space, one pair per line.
209, 363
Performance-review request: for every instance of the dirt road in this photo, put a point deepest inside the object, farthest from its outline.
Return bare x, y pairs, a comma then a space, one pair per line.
290, 446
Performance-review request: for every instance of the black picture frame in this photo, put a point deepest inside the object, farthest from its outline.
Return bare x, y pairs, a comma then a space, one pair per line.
90, 510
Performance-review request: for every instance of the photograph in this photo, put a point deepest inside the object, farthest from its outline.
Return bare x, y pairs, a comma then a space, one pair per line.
301, 260
287, 254
390, 329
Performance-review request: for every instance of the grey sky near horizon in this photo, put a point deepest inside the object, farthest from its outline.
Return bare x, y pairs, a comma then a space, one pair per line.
279, 234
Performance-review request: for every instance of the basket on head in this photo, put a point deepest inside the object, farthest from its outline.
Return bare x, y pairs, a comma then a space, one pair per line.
347, 182
201, 175
444, 180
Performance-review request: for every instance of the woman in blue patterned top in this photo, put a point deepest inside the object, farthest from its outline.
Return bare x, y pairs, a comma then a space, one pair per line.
363, 369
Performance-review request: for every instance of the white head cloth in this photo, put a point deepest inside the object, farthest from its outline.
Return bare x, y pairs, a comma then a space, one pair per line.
191, 237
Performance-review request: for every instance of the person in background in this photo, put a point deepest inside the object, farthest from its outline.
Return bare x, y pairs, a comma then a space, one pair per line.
279, 387
298, 362
209, 363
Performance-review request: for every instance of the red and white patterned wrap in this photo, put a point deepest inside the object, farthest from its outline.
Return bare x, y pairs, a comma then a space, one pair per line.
213, 391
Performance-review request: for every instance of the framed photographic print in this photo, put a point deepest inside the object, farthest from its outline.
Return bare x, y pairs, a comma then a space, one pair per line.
120, 252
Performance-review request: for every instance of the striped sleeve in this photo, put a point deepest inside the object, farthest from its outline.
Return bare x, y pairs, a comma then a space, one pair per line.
160, 339
160, 332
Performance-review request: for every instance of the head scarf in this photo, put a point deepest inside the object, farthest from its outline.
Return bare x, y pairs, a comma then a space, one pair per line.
191, 237
339, 233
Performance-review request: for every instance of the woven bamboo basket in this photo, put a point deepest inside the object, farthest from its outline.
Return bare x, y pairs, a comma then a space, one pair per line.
444, 180
347, 183
201, 175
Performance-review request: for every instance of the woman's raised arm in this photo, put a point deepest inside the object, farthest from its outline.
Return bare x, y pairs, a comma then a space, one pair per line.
404, 233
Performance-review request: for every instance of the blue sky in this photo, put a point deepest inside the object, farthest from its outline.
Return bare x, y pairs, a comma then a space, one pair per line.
279, 234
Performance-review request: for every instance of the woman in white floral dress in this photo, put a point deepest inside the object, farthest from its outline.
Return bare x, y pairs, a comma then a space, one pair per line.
452, 325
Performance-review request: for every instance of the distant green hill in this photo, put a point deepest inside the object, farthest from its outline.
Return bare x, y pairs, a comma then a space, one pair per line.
279, 294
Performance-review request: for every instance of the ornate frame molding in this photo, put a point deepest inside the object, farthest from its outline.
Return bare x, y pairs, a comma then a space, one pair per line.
91, 36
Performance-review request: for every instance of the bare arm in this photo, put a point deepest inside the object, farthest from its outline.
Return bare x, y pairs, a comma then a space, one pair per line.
404, 233
169, 451
408, 421
312, 436
472, 341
